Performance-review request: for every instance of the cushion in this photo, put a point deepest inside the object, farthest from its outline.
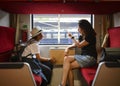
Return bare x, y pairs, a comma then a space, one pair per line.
88, 73
5, 56
38, 79
114, 34
7, 37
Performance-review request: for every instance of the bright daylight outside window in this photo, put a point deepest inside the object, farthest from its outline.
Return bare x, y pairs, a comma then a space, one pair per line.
56, 26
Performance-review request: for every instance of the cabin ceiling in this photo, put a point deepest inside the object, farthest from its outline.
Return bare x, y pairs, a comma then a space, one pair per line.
64, 0
60, 6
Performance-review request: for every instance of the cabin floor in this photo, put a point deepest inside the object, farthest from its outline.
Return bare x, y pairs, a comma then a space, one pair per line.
57, 75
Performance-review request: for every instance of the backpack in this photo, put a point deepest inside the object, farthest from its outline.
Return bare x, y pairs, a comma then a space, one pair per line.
17, 55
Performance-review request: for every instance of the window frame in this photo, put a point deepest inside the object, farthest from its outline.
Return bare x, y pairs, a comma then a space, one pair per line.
91, 20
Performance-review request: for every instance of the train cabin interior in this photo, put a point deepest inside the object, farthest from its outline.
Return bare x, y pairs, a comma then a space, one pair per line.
56, 18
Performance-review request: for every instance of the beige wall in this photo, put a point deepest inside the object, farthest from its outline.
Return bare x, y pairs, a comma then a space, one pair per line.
117, 19
25, 19
4, 18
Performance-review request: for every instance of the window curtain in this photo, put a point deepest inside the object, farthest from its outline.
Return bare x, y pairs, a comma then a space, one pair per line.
102, 24
14, 22
107, 23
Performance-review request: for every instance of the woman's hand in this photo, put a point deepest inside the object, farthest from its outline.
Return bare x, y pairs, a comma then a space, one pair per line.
70, 35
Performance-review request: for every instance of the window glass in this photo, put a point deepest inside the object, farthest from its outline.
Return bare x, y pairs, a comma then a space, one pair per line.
56, 26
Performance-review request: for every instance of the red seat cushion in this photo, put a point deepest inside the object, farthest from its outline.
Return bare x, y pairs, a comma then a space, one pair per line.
114, 34
38, 79
88, 73
5, 56
7, 37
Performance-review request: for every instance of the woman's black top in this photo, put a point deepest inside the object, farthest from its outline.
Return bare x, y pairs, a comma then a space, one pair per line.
90, 49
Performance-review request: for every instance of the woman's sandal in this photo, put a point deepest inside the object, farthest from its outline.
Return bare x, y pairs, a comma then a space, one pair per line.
60, 84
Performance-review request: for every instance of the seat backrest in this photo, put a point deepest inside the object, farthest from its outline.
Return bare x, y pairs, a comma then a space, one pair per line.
114, 34
7, 43
16, 74
7, 38
108, 74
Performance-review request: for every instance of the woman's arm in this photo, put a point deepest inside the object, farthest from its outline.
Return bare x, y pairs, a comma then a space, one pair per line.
78, 44
69, 47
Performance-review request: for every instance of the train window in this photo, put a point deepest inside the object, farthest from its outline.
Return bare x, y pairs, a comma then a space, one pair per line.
56, 26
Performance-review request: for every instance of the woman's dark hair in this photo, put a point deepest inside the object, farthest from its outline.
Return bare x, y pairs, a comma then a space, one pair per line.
86, 26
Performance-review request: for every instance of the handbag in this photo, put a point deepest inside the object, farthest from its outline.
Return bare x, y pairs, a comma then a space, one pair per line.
109, 56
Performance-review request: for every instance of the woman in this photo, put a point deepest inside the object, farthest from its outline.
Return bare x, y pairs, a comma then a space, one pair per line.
88, 57
32, 53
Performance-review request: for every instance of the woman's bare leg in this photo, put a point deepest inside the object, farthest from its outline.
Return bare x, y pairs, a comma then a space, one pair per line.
71, 78
66, 69
73, 65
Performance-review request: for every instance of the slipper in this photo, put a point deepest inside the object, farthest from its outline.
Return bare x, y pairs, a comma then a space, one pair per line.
60, 84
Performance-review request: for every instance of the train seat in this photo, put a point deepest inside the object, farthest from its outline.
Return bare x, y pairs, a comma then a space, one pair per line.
114, 34
107, 74
16, 74
7, 37
88, 73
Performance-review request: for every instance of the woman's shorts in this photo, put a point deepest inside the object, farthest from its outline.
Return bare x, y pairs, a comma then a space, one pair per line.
85, 60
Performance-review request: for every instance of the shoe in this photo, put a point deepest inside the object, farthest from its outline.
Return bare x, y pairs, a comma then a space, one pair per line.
60, 84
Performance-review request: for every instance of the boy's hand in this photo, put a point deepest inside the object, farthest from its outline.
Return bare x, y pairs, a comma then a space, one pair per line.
52, 60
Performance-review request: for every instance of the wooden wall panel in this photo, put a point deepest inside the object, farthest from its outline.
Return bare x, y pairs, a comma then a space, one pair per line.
58, 54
